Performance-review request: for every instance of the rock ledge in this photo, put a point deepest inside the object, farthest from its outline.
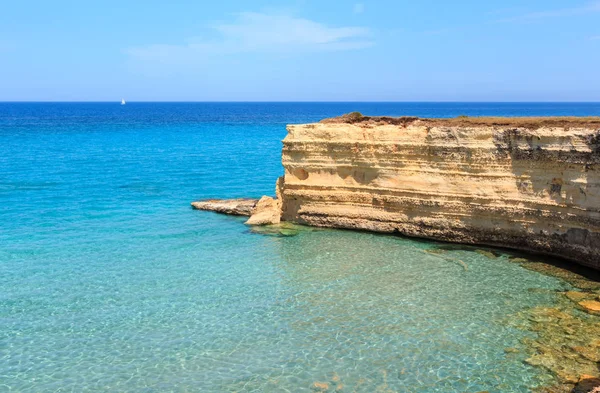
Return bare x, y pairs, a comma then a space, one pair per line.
237, 207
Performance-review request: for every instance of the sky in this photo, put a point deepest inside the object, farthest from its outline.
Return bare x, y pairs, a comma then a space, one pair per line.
303, 50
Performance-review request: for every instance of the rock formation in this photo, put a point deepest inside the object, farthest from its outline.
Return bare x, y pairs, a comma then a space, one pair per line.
236, 207
523, 183
266, 212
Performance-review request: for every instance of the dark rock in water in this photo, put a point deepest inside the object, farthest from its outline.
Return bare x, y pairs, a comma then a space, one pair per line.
237, 207
587, 384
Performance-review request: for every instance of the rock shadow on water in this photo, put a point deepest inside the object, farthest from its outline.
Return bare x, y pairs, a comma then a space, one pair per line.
579, 276
485, 251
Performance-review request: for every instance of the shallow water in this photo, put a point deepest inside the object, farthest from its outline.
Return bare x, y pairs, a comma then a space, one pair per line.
110, 282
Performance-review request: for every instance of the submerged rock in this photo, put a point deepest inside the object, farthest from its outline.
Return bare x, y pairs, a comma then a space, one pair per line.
590, 352
567, 343
591, 306
580, 277
586, 284
560, 388
518, 259
577, 296
487, 253
320, 386
284, 229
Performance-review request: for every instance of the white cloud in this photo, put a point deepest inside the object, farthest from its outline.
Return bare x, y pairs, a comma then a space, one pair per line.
260, 32
359, 8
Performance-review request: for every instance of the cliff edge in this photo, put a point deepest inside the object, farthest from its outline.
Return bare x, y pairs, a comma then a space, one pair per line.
525, 183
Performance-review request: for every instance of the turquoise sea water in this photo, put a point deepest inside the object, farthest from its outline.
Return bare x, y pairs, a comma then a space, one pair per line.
109, 281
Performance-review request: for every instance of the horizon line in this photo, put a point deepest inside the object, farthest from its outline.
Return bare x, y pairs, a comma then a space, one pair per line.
296, 102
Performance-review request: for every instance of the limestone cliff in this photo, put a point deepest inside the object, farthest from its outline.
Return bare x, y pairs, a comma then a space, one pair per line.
531, 184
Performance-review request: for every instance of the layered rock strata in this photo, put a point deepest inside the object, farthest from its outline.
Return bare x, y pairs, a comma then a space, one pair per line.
524, 183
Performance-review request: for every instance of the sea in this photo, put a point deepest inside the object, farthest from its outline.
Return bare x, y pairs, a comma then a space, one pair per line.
110, 282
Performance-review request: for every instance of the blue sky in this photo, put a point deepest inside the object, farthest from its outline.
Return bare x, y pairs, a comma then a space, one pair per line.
305, 50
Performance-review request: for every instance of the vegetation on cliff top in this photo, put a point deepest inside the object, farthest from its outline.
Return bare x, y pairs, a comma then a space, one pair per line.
466, 121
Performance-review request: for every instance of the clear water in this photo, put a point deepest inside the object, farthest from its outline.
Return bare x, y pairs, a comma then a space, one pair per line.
110, 282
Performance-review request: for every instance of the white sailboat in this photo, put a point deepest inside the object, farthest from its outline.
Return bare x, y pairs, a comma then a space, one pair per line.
123, 101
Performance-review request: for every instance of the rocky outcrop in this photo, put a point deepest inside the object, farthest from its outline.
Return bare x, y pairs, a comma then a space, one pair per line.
263, 211
530, 184
266, 212
525, 183
237, 207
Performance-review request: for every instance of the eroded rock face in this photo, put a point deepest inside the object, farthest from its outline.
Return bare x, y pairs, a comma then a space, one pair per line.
509, 184
238, 207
